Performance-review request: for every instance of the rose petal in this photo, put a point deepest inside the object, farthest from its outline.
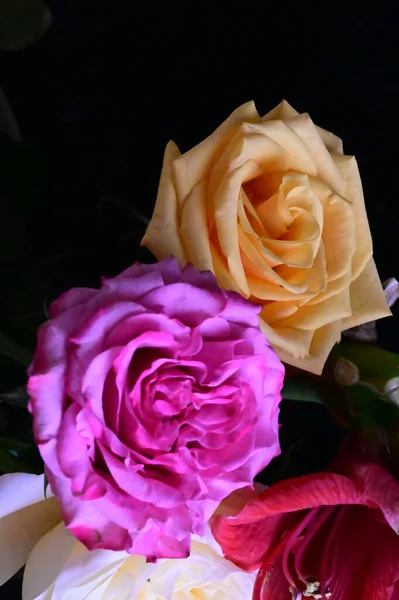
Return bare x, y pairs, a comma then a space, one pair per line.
162, 234
25, 516
368, 300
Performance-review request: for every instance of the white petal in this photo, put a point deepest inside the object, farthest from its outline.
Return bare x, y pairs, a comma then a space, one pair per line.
18, 490
46, 560
25, 516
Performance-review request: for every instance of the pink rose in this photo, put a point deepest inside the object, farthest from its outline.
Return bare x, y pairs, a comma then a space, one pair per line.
153, 398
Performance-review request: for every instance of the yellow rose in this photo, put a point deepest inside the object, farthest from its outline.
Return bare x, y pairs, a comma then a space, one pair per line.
275, 209
60, 567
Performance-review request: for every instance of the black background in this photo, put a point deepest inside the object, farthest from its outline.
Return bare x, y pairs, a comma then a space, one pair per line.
112, 82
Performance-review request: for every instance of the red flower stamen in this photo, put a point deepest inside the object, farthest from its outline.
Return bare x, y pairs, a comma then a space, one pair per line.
318, 522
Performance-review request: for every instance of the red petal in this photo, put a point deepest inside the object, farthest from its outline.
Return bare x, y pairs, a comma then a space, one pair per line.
247, 537
380, 488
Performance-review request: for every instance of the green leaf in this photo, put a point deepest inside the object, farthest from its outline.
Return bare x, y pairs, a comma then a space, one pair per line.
376, 365
369, 412
303, 389
22, 22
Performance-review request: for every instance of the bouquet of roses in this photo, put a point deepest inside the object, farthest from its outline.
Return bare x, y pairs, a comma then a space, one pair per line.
156, 398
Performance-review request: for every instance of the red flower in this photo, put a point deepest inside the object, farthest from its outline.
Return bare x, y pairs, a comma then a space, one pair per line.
322, 536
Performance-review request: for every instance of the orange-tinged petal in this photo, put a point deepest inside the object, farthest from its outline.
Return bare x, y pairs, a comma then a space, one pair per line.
332, 288
354, 192
277, 311
193, 166
288, 342
367, 298
261, 289
338, 236
304, 127
162, 236
226, 203
316, 316
297, 154
283, 111
194, 229
221, 271
323, 341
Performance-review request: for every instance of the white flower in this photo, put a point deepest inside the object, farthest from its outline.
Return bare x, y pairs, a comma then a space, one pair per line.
61, 568
25, 516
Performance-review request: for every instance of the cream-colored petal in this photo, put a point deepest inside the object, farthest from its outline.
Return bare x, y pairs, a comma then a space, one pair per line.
46, 561
277, 311
297, 154
226, 202
295, 342
256, 266
194, 231
264, 290
367, 298
19, 490
332, 142
304, 127
285, 111
282, 111
354, 193
332, 288
322, 343
193, 166
248, 145
27, 517
339, 236
221, 271
314, 317
162, 236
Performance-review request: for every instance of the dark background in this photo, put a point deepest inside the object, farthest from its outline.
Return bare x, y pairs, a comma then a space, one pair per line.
100, 96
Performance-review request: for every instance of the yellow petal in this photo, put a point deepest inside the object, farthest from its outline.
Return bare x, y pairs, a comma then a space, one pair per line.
297, 154
367, 298
276, 311
339, 236
226, 203
221, 271
294, 342
256, 265
193, 166
304, 127
162, 235
333, 288
314, 317
332, 142
194, 229
260, 289
321, 345
25, 517
284, 110
354, 192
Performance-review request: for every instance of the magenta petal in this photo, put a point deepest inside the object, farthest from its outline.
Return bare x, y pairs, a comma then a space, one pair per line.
71, 298
182, 301
153, 399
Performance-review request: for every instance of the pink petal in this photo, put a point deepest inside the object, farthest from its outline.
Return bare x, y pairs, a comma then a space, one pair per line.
70, 299
183, 301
